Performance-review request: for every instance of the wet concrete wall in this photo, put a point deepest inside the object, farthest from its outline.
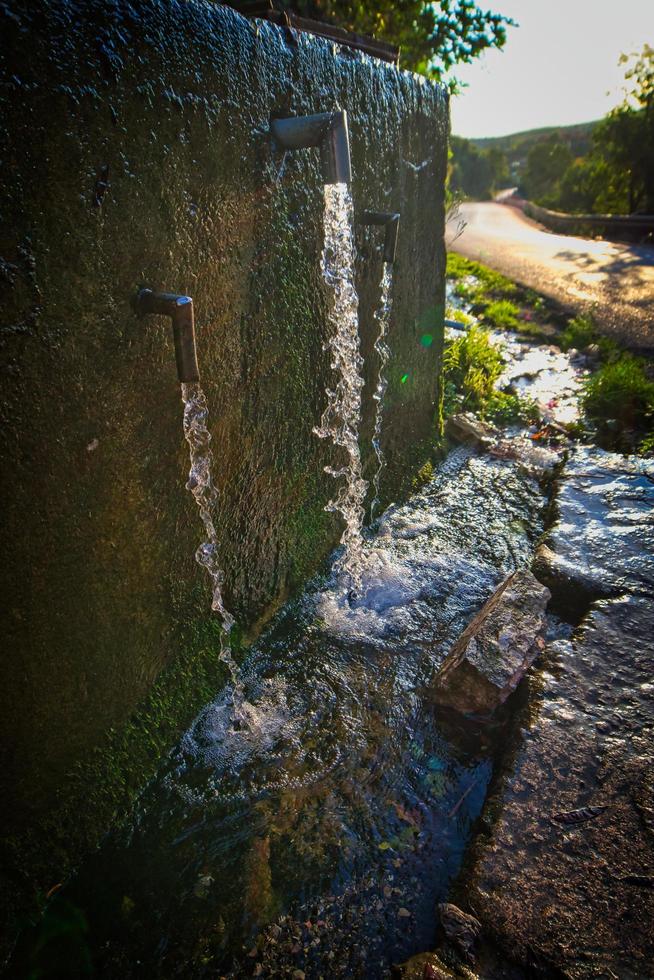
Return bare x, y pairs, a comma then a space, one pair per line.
133, 153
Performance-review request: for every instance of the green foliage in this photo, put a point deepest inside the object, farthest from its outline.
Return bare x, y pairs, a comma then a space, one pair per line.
502, 314
492, 295
581, 332
459, 316
489, 282
547, 162
646, 445
423, 476
433, 37
616, 173
516, 146
619, 399
472, 364
475, 173
504, 408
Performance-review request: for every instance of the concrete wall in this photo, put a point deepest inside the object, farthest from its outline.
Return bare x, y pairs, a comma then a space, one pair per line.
108, 645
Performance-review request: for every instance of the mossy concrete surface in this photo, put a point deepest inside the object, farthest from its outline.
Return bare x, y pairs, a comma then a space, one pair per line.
134, 152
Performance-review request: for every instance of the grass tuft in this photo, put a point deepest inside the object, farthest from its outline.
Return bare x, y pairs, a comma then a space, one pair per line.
472, 364
502, 314
619, 400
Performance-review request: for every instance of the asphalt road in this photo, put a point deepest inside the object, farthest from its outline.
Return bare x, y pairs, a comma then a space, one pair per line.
615, 280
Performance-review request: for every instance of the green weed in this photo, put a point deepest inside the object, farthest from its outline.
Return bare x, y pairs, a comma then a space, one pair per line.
581, 332
503, 408
423, 476
619, 400
471, 366
646, 445
495, 298
459, 316
502, 314
489, 282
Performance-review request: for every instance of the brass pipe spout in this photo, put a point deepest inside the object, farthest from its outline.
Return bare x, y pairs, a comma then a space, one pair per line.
326, 130
180, 309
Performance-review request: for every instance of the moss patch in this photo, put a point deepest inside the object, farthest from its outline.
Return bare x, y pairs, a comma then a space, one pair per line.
100, 791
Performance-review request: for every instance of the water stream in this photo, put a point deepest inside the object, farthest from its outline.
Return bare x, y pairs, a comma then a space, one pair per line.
342, 416
383, 316
201, 485
319, 837
542, 372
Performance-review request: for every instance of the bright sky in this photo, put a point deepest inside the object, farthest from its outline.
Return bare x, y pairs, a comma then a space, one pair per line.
556, 67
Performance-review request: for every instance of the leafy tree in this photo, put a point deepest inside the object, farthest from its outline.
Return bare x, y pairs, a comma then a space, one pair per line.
471, 172
476, 173
617, 175
585, 181
625, 138
500, 166
547, 162
433, 37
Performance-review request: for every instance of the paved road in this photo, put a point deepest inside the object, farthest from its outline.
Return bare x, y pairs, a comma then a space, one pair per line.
616, 280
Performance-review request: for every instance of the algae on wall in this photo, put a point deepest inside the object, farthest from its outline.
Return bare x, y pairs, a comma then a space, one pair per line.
134, 153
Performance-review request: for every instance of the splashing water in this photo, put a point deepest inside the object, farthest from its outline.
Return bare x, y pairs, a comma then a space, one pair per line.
382, 316
341, 418
201, 485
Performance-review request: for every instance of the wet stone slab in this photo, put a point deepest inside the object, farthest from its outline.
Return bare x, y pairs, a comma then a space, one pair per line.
561, 883
602, 543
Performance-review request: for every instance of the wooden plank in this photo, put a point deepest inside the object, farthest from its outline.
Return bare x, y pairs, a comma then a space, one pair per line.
360, 42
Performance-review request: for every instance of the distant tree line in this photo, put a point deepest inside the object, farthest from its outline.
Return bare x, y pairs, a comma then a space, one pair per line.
476, 173
612, 172
617, 174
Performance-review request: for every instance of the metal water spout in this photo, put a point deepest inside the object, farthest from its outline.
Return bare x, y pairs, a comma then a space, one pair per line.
391, 222
180, 309
326, 130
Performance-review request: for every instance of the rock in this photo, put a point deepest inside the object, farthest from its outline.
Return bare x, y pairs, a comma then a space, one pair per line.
425, 966
466, 427
496, 649
602, 543
461, 929
537, 461
202, 886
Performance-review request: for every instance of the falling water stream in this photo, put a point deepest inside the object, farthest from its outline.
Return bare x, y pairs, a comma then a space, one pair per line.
382, 316
341, 418
340, 422
201, 485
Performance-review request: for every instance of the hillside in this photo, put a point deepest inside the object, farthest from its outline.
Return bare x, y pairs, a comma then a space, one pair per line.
516, 146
